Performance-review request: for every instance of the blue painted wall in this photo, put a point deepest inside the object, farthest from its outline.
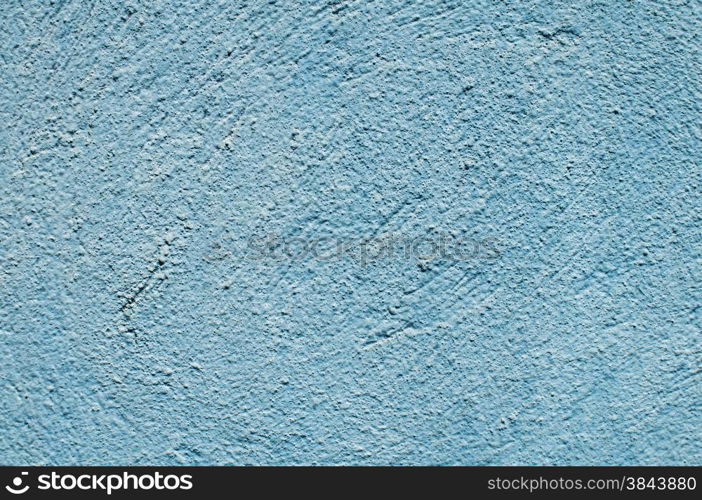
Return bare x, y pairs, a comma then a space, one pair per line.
163, 163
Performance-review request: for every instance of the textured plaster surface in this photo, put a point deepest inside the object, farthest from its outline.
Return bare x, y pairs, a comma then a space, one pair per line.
143, 145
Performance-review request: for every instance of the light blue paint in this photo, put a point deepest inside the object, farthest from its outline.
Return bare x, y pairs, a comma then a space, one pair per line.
145, 143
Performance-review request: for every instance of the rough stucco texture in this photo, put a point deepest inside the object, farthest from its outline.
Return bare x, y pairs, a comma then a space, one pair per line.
144, 144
